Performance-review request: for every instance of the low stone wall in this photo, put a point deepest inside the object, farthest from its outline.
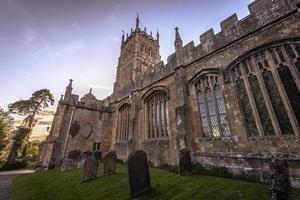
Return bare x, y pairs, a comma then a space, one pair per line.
254, 167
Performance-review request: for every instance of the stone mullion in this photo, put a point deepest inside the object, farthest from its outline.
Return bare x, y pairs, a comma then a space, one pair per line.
167, 115
118, 126
291, 67
252, 102
161, 113
154, 115
207, 114
122, 124
216, 109
146, 121
159, 116
127, 123
295, 51
266, 97
282, 93
152, 119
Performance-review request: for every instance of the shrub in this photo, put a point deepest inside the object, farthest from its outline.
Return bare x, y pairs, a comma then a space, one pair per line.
14, 165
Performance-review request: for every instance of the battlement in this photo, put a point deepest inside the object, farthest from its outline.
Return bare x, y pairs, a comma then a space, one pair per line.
262, 12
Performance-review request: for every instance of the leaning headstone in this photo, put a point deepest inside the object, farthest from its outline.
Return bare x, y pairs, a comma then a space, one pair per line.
138, 172
280, 185
68, 164
83, 158
110, 162
185, 163
90, 168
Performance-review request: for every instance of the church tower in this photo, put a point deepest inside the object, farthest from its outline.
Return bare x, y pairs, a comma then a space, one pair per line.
139, 52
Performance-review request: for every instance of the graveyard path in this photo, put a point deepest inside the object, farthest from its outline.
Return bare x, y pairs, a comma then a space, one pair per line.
6, 178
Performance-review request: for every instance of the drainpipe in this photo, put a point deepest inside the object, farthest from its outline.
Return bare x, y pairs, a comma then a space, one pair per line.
67, 135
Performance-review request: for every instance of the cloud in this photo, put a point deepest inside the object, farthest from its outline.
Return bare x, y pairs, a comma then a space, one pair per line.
28, 36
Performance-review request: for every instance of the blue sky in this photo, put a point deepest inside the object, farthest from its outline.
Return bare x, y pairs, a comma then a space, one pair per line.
44, 43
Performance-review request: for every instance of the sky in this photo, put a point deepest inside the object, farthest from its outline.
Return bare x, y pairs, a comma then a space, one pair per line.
44, 43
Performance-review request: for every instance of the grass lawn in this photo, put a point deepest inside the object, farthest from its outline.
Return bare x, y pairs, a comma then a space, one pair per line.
54, 185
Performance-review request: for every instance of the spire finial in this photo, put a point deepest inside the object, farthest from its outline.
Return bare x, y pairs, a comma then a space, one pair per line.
178, 41
137, 22
91, 89
157, 35
123, 36
70, 83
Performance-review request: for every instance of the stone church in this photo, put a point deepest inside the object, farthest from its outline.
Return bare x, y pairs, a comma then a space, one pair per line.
233, 100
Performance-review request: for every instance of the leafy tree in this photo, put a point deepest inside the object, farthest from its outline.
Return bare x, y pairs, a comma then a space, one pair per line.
6, 132
31, 107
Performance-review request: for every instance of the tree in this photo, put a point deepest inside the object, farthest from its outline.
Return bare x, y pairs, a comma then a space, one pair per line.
6, 129
29, 109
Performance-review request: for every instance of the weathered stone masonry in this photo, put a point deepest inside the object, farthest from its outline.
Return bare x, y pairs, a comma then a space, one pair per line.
233, 100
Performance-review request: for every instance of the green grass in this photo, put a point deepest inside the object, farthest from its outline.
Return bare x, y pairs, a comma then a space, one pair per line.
54, 185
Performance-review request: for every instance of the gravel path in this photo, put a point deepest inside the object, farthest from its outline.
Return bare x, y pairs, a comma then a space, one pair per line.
6, 178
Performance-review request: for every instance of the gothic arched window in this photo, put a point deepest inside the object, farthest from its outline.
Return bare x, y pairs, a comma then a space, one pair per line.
157, 115
266, 83
123, 123
212, 109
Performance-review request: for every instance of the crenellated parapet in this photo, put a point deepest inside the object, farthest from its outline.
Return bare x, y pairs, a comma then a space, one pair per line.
262, 12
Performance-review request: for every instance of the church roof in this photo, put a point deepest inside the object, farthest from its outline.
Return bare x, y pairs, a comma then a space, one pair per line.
88, 97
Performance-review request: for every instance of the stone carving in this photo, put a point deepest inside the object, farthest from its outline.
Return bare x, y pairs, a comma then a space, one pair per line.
110, 162
86, 130
68, 164
185, 163
90, 168
138, 173
280, 185
74, 129
75, 154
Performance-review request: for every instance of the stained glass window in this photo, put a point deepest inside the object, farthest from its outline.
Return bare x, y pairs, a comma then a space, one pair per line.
246, 107
280, 112
123, 122
212, 108
261, 106
157, 115
291, 89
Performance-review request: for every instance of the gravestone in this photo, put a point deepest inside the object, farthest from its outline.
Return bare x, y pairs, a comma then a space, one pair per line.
90, 168
83, 158
68, 164
280, 185
185, 163
138, 173
110, 162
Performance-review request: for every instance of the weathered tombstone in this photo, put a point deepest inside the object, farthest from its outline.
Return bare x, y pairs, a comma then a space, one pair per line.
90, 168
185, 163
83, 158
138, 173
110, 162
280, 185
68, 164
